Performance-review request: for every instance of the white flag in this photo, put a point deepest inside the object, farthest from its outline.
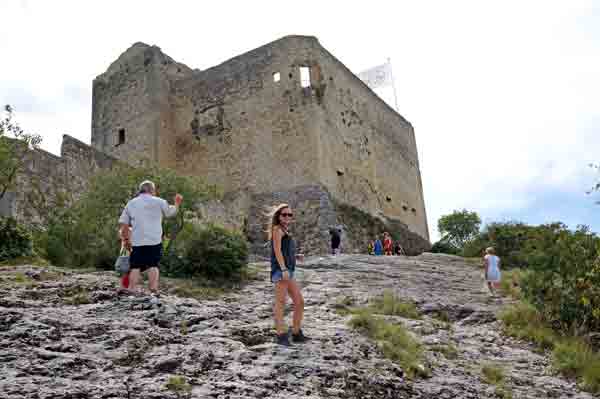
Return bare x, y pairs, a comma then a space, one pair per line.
378, 76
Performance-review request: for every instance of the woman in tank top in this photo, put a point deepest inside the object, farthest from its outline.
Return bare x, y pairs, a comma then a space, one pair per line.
283, 266
492, 269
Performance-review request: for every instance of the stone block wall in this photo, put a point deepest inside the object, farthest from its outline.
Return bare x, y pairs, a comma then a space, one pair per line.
130, 104
46, 179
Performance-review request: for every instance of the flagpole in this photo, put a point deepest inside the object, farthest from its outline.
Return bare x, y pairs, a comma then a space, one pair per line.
393, 83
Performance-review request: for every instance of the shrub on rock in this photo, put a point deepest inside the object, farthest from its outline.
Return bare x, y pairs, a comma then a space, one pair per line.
15, 240
215, 252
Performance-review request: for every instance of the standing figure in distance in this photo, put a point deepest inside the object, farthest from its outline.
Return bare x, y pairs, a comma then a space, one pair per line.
387, 244
336, 240
378, 247
492, 270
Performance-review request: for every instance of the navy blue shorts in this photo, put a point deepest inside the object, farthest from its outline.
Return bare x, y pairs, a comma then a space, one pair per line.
144, 257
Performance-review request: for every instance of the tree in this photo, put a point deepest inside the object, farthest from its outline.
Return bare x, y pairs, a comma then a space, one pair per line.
14, 143
459, 227
84, 233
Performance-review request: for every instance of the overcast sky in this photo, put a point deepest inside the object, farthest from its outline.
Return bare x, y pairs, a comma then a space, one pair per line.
504, 96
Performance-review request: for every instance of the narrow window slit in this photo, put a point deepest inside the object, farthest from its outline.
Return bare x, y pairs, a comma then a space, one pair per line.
121, 136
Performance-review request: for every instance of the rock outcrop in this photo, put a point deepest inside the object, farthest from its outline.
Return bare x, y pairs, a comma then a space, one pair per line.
66, 334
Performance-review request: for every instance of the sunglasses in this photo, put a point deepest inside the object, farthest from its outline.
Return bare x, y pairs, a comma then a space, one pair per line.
287, 215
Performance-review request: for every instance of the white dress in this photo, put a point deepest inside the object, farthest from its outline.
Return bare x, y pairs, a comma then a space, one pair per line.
493, 271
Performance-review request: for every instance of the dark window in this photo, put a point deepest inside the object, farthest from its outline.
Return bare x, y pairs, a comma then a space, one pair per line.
121, 136
388, 199
340, 173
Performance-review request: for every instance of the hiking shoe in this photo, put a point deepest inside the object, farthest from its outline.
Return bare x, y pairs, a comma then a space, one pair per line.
300, 337
155, 299
283, 340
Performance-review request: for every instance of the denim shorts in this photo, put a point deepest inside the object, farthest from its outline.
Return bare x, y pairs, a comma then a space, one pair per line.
278, 275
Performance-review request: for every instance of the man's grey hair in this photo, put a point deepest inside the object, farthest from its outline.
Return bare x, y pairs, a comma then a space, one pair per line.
147, 187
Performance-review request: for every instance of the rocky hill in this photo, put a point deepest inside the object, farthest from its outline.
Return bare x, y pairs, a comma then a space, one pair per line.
72, 335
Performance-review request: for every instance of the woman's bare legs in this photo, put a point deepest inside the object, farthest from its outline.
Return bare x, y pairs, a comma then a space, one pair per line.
298, 300
281, 289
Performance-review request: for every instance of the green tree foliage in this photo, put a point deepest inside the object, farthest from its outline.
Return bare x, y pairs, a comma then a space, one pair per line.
459, 227
86, 233
15, 240
564, 279
444, 247
507, 238
14, 143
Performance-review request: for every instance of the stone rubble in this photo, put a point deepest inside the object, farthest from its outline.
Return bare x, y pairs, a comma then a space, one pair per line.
77, 337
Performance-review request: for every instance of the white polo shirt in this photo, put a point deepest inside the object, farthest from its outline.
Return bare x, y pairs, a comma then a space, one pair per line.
144, 214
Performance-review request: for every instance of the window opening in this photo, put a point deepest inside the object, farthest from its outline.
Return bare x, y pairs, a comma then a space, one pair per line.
276, 77
121, 136
304, 76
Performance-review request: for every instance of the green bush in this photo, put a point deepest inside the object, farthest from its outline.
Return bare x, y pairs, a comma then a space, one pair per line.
216, 252
15, 240
86, 233
563, 282
444, 247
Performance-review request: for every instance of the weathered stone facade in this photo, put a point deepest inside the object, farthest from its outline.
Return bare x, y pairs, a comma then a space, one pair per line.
287, 117
46, 178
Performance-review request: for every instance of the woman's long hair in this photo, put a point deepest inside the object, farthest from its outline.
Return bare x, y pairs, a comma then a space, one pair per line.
272, 215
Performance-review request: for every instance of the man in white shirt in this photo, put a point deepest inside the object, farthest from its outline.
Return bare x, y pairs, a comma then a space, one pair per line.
144, 214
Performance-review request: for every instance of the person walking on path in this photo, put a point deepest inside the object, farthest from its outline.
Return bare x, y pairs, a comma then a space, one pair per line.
378, 248
398, 250
387, 244
124, 244
283, 266
335, 240
492, 270
144, 214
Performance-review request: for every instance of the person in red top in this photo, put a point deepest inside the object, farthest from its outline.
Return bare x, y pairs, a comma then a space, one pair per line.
387, 244
124, 244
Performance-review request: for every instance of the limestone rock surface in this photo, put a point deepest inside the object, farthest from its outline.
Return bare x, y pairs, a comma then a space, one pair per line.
76, 336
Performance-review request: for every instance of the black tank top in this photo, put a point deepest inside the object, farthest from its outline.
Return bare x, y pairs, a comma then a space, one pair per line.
288, 250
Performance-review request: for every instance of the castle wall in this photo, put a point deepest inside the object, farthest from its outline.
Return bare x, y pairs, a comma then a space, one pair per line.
130, 105
48, 180
368, 151
240, 129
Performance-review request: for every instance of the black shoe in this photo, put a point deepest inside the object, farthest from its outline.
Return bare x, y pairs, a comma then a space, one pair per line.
283, 340
300, 337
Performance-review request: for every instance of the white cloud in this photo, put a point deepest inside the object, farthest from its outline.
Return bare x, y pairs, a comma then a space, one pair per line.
503, 95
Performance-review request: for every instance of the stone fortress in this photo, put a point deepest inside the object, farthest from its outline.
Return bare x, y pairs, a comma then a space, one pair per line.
284, 122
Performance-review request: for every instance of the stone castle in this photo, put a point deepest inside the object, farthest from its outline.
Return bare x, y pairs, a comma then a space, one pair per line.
284, 122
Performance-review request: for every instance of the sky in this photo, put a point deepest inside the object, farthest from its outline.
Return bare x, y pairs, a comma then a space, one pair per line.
504, 96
